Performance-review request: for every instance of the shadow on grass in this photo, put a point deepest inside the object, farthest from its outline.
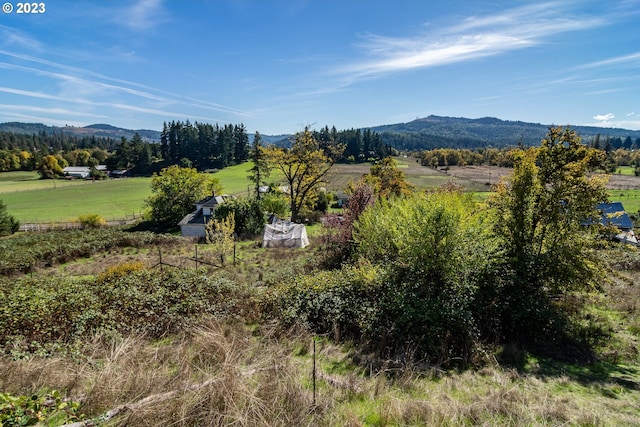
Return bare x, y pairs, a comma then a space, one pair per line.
572, 361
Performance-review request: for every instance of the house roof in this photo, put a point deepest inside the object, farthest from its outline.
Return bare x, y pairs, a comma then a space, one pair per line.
198, 216
211, 201
614, 214
195, 218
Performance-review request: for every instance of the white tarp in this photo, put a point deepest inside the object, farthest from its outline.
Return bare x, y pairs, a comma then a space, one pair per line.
284, 234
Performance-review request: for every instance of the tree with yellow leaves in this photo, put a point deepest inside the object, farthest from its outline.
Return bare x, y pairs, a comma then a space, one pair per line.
304, 167
219, 235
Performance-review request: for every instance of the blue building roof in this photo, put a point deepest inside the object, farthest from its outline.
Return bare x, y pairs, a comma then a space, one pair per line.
614, 214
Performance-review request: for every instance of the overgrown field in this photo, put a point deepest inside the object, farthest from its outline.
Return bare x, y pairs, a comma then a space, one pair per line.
96, 317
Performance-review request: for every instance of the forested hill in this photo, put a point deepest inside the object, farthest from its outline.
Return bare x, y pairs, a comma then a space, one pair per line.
454, 132
99, 130
422, 133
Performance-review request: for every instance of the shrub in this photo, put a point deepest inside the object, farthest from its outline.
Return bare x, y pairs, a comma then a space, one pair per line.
121, 270
248, 215
421, 262
91, 221
44, 312
8, 223
44, 408
275, 202
22, 252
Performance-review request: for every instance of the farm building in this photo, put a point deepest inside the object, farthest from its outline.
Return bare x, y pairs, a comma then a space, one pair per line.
193, 225
285, 234
119, 173
613, 214
81, 172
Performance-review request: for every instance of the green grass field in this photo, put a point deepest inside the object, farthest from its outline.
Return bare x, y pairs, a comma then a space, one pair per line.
625, 170
23, 181
630, 199
30, 199
112, 199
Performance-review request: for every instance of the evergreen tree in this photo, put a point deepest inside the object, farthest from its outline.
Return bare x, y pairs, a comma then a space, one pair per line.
241, 144
260, 170
8, 223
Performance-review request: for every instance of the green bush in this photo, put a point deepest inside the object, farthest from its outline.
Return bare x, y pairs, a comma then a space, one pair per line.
91, 221
248, 215
45, 408
45, 312
422, 261
8, 223
21, 253
275, 202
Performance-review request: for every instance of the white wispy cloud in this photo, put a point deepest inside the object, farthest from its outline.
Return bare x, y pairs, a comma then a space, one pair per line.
474, 37
85, 102
622, 124
14, 38
80, 81
55, 110
633, 58
604, 117
144, 14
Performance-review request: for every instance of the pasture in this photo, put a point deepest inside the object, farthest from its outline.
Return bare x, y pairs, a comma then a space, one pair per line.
11, 182
111, 199
32, 200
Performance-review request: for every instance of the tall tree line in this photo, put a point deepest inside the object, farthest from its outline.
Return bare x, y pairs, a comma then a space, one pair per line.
361, 145
52, 142
26, 151
202, 145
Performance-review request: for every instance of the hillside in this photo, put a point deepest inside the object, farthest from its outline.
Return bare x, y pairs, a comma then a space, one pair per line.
459, 132
102, 130
422, 133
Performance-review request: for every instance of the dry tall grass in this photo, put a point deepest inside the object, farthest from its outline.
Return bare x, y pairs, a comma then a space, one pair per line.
220, 374
229, 374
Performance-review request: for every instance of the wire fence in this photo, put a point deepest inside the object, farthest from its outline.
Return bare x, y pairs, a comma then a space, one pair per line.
34, 225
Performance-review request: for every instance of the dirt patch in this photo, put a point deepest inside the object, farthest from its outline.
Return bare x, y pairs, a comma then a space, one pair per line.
490, 175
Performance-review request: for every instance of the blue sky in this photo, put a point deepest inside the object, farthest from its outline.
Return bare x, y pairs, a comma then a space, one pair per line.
280, 65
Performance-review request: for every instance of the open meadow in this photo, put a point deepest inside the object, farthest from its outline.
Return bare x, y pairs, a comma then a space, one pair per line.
44, 201
32, 200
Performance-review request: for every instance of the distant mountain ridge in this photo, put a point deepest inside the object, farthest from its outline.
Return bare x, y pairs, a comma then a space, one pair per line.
459, 132
102, 130
421, 133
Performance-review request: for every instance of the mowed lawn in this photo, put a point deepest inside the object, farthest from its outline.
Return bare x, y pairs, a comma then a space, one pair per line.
32, 200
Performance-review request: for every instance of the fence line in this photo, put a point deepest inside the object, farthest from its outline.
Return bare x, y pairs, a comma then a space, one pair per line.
74, 225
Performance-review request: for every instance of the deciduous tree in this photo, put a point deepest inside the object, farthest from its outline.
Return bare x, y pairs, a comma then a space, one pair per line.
175, 191
541, 213
304, 167
50, 167
388, 180
220, 236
